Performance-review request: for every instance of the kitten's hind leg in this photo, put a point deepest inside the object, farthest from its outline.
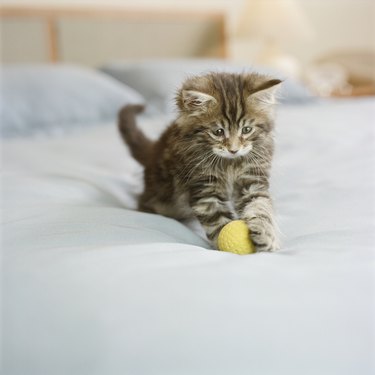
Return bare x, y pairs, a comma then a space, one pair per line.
166, 207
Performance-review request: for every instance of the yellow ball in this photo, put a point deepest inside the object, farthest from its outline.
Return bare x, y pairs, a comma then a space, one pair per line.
235, 238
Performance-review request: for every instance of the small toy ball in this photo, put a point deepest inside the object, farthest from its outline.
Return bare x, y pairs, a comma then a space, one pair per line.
235, 238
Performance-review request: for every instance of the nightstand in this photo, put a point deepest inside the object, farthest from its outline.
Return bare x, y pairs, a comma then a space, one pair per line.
357, 90
341, 75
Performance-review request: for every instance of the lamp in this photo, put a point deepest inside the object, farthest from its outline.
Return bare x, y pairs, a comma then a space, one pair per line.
275, 23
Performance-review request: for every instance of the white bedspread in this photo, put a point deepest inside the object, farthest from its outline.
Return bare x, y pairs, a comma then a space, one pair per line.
91, 286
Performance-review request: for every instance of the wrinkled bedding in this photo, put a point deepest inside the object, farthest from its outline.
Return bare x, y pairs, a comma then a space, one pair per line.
91, 286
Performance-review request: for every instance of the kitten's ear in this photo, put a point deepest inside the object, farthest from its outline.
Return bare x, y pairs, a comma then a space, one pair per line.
196, 101
264, 94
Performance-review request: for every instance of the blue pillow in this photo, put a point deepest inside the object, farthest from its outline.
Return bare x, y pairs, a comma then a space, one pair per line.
157, 80
45, 99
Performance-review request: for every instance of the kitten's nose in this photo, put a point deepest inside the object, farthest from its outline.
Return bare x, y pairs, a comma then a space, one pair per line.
233, 151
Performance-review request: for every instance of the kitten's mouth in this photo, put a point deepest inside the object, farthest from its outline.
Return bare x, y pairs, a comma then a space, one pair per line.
226, 154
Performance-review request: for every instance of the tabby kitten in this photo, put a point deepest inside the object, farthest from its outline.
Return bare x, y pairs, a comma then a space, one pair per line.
213, 162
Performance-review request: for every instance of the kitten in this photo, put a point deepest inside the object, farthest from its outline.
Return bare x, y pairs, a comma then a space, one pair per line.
213, 162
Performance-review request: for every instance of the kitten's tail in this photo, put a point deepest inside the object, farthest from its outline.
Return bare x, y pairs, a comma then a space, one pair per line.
140, 146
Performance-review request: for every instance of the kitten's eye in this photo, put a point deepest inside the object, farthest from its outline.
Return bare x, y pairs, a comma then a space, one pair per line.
219, 132
246, 130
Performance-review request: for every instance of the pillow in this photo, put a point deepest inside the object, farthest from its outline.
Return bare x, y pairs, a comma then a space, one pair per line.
44, 99
158, 80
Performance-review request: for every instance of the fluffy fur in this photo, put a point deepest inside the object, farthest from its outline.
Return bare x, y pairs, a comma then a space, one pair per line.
213, 162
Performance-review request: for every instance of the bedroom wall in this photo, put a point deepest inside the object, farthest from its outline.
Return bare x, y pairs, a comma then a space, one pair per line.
339, 24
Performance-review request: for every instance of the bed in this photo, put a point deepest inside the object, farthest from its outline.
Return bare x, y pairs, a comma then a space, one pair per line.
92, 286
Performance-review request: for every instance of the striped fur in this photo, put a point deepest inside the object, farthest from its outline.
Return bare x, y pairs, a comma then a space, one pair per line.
213, 162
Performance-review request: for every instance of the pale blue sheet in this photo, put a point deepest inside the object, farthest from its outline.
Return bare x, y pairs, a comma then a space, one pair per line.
92, 287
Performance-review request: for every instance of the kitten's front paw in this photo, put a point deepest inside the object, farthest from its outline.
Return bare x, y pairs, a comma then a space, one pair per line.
263, 234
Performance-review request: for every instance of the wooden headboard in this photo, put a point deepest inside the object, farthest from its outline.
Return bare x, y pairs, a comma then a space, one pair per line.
93, 36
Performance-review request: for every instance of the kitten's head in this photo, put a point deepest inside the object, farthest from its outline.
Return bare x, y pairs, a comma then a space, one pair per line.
230, 113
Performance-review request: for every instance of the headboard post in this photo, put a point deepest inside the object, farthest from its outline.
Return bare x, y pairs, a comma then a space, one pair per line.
52, 32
